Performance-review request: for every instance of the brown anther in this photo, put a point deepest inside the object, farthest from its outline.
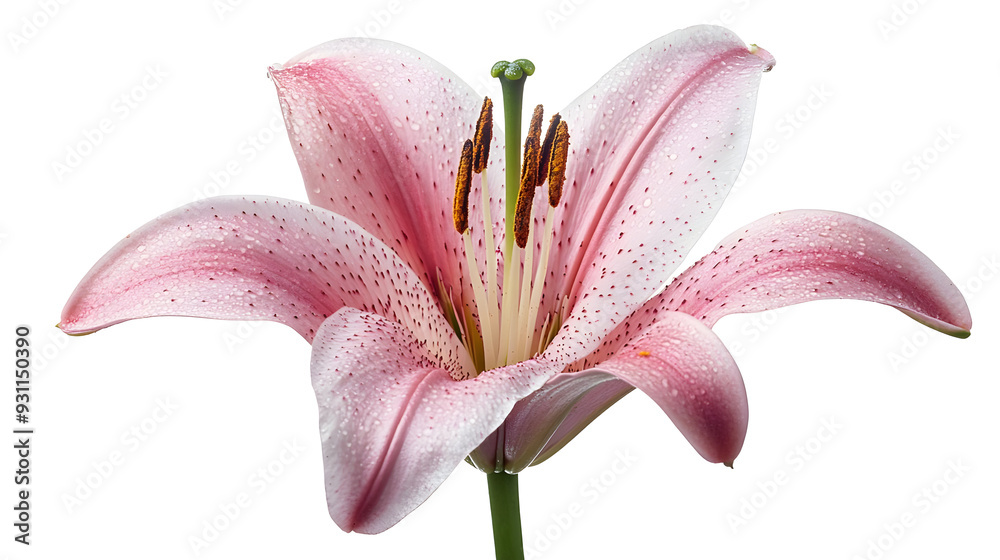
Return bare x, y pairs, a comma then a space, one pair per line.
463, 185
534, 131
526, 193
535, 127
543, 160
557, 163
484, 135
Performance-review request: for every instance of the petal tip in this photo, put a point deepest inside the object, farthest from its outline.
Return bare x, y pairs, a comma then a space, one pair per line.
764, 55
274, 68
959, 325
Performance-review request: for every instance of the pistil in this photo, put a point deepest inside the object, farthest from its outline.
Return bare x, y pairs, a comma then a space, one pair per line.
508, 320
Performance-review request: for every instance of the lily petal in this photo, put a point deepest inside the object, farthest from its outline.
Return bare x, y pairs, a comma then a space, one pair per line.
378, 129
541, 424
657, 144
783, 259
805, 255
679, 362
258, 259
393, 424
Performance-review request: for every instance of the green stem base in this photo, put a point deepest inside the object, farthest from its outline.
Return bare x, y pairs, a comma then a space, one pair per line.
506, 509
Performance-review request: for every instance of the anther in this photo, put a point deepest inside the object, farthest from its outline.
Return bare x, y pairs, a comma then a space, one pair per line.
463, 185
484, 135
557, 163
543, 160
535, 135
522, 213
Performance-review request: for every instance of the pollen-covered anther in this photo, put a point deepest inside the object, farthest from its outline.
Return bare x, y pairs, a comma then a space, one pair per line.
644, 353
484, 135
557, 163
526, 194
546, 155
534, 135
463, 185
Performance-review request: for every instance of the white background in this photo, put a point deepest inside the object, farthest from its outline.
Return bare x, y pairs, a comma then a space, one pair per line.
893, 74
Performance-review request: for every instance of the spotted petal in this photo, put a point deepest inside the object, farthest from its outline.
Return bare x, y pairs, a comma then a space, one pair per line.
258, 259
678, 362
393, 424
783, 259
805, 255
378, 129
656, 145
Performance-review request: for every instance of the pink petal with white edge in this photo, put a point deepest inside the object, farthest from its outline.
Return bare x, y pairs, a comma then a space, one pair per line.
393, 424
258, 259
656, 145
378, 130
678, 362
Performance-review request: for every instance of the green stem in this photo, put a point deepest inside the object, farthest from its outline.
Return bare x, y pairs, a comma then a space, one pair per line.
506, 509
513, 96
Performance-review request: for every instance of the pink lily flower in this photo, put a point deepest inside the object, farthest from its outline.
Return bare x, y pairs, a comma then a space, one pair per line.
409, 367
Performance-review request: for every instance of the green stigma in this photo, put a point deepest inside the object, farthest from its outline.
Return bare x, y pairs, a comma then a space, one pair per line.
513, 71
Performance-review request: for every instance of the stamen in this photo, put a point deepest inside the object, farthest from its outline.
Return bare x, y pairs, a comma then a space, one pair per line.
492, 299
463, 184
535, 127
525, 195
534, 135
559, 131
484, 135
523, 233
557, 163
543, 161
508, 316
483, 308
542, 334
480, 347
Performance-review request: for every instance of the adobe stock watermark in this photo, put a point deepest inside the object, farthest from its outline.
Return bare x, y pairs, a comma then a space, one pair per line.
31, 25
214, 526
922, 502
224, 8
914, 168
753, 329
784, 130
123, 107
53, 344
909, 346
729, 13
130, 441
796, 460
590, 493
247, 151
899, 14
560, 12
238, 334
379, 20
